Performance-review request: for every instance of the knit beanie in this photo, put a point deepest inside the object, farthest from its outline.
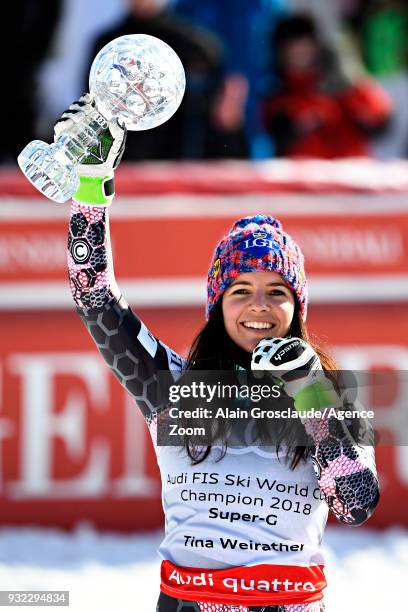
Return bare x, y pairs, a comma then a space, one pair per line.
256, 244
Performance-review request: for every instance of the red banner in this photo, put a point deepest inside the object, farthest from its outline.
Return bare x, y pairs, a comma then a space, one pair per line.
146, 248
255, 585
72, 444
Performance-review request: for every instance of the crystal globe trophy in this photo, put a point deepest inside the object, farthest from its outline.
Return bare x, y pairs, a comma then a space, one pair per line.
138, 79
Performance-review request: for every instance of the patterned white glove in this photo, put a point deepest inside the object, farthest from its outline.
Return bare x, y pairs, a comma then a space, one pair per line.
96, 172
294, 362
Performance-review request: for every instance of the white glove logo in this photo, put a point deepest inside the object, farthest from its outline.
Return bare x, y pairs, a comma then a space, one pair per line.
284, 354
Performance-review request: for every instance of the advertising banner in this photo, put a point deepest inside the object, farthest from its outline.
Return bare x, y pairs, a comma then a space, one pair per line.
73, 445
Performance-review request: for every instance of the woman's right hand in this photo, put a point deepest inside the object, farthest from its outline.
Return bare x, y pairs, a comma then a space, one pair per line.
96, 171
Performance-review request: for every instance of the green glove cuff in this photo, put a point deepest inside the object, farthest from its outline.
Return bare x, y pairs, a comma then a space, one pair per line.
316, 397
97, 190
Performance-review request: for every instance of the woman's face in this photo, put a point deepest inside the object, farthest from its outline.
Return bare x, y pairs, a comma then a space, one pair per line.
257, 305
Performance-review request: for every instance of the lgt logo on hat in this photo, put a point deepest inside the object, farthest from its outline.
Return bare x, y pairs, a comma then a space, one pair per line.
258, 243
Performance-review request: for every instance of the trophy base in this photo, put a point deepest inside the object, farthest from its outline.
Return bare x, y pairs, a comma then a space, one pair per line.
56, 181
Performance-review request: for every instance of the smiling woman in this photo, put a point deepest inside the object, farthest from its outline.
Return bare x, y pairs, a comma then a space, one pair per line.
257, 290
257, 305
275, 486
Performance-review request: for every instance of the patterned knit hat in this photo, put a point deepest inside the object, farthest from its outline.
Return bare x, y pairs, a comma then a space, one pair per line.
256, 244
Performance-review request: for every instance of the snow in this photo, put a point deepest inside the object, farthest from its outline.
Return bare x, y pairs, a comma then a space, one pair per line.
366, 570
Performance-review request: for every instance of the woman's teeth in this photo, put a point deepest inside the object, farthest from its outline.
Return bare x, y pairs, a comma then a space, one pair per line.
258, 324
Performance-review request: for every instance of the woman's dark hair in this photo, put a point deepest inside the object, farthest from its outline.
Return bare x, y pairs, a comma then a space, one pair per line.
213, 349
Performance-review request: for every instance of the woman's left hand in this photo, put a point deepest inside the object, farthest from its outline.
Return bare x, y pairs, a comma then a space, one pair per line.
296, 363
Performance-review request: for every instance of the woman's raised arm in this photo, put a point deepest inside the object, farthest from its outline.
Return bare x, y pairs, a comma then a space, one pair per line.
133, 354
